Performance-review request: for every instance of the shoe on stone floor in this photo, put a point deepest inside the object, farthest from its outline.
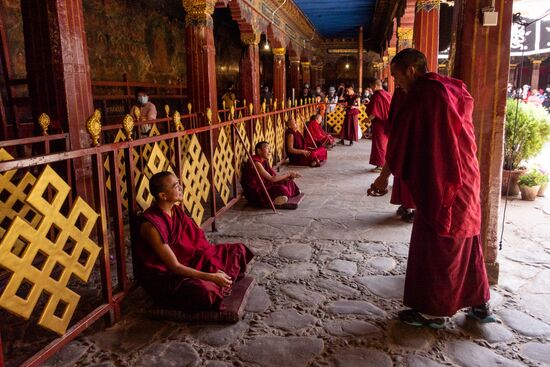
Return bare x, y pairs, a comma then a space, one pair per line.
482, 314
408, 216
280, 200
402, 210
415, 318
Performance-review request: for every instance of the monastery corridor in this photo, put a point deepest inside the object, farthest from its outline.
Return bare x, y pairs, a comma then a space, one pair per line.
329, 284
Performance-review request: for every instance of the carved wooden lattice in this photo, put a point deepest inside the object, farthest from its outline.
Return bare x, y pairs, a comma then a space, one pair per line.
258, 133
240, 151
270, 138
364, 120
123, 187
156, 163
223, 165
13, 192
57, 249
194, 178
280, 133
336, 119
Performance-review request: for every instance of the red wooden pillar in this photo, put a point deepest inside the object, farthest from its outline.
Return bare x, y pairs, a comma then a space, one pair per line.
279, 75
295, 74
426, 31
58, 69
391, 82
481, 59
535, 73
360, 60
201, 55
250, 70
306, 73
313, 76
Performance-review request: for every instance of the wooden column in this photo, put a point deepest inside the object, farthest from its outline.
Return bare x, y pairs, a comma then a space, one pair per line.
535, 73
391, 82
313, 76
295, 75
279, 75
306, 73
360, 61
404, 38
201, 55
480, 57
426, 30
58, 70
250, 69
512, 75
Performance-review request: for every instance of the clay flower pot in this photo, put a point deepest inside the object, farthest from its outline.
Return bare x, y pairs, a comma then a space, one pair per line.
542, 189
513, 177
529, 193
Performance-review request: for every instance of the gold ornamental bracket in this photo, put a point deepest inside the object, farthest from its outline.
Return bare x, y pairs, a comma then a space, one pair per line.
93, 125
199, 13
189, 107
279, 51
392, 51
167, 110
251, 38
427, 5
209, 115
44, 122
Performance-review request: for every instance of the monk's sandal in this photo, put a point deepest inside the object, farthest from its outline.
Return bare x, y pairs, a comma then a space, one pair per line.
414, 318
482, 314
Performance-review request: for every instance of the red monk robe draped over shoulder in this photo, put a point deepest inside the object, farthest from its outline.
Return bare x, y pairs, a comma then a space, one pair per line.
319, 154
191, 249
379, 108
252, 187
400, 195
434, 153
319, 136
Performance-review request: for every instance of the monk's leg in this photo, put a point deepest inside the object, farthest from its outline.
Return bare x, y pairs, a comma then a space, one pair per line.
195, 295
232, 258
444, 274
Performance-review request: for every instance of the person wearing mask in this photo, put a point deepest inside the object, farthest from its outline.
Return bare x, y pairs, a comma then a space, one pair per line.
265, 95
332, 99
147, 111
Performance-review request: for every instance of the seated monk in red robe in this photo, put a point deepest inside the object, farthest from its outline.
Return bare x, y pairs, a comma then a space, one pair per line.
177, 265
433, 152
378, 109
280, 187
318, 135
297, 150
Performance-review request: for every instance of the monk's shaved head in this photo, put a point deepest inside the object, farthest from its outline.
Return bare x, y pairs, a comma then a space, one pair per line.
410, 57
157, 183
260, 145
375, 84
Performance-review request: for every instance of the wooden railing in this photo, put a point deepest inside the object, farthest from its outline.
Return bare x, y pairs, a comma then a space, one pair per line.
97, 215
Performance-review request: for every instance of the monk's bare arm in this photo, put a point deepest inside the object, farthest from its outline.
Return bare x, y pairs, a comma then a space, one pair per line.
292, 150
150, 234
265, 175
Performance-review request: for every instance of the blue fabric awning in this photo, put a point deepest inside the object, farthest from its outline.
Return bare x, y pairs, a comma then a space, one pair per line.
334, 18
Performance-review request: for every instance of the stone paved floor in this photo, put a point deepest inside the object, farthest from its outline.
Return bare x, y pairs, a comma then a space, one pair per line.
330, 278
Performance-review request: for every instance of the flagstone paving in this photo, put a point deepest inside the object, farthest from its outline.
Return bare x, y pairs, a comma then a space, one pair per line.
330, 278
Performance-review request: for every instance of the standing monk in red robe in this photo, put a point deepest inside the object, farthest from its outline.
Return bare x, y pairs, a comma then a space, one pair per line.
378, 109
400, 195
177, 265
297, 150
351, 123
280, 187
433, 152
317, 134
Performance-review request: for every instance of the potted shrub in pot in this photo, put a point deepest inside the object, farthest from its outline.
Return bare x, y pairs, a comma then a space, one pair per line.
529, 185
523, 139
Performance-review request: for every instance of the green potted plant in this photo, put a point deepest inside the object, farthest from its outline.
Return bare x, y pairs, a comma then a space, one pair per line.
529, 185
523, 139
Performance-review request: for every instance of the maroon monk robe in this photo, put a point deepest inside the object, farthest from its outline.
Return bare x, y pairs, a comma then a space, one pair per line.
252, 187
319, 136
350, 127
379, 108
400, 195
192, 249
319, 154
434, 153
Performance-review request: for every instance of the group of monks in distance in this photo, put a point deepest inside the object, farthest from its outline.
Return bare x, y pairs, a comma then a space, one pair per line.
431, 152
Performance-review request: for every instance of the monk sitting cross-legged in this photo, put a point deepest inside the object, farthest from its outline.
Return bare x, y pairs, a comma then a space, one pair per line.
280, 187
178, 267
297, 150
318, 135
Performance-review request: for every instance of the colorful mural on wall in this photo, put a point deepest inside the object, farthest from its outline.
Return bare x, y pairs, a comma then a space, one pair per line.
144, 39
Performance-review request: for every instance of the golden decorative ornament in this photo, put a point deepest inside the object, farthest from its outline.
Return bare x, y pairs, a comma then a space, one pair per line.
136, 111
209, 115
189, 107
93, 125
128, 126
44, 122
177, 121
251, 108
279, 51
167, 110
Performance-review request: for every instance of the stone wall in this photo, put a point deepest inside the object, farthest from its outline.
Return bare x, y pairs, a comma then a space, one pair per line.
144, 39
